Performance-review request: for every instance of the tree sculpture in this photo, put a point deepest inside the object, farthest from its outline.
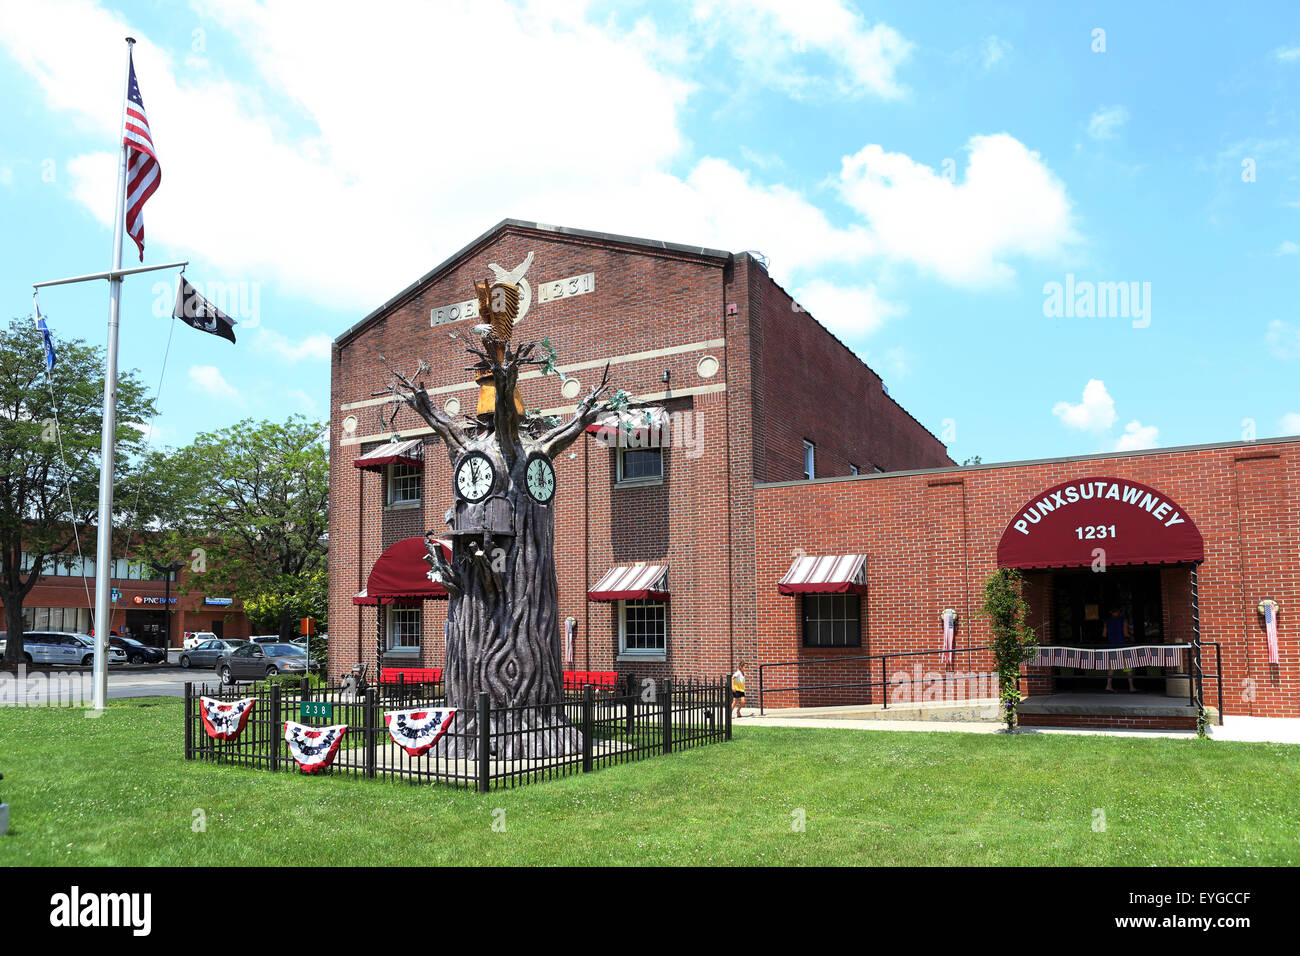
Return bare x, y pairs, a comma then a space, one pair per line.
503, 617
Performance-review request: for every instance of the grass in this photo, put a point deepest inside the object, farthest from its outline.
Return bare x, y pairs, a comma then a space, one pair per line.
115, 791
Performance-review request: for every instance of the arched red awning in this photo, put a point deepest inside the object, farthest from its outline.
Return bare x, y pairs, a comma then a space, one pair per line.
401, 575
1064, 526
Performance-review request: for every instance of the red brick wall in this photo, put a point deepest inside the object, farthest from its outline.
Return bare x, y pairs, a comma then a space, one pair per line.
931, 540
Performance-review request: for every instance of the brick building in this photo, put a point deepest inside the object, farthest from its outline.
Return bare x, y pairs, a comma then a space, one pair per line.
685, 331
769, 444
63, 599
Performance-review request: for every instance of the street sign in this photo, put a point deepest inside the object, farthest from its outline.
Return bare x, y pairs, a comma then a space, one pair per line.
317, 709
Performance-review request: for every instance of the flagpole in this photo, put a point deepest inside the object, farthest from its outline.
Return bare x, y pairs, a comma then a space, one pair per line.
104, 545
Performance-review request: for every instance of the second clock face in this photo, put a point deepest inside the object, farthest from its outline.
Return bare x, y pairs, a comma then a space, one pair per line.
475, 476
541, 479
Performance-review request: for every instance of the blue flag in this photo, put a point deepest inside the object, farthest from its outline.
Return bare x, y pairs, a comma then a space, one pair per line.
50, 357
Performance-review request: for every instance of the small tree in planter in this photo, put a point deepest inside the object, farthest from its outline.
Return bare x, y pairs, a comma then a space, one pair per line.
1013, 639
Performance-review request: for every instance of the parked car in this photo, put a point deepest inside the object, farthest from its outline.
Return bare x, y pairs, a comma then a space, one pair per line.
256, 661
193, 639
207, 652
137, 653
60, 647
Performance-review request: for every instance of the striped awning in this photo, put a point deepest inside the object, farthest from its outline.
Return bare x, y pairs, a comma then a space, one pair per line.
393, 453
826, 574
632, 582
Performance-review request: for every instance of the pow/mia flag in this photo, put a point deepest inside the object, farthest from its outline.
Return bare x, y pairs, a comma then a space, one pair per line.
196, 311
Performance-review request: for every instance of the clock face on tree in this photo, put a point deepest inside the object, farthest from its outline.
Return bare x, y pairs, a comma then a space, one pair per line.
541, 479
475, 476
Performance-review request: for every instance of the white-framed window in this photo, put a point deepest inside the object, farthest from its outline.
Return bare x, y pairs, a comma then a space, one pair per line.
405, 625
640, 464
405, 484
809, 459
642, 628
853, 469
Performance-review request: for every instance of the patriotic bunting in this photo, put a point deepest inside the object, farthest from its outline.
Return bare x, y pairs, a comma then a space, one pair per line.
1113, 658
1268, 610
313, 747
225, 721
416, 731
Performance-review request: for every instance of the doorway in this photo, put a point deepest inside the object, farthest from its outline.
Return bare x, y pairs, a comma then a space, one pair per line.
1081, 602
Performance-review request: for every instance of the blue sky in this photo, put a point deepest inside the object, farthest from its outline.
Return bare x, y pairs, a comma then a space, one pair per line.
918, 176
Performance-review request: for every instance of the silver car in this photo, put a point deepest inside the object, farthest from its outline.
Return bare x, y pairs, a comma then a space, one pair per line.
205, 653
60, 647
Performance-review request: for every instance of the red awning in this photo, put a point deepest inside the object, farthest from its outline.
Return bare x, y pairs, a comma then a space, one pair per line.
402, 576
632, 582
826, 574
393, 453
1085, 520
634, 428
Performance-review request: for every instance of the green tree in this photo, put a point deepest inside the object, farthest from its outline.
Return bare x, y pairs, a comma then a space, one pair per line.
39, 497
247, 507
1013, 639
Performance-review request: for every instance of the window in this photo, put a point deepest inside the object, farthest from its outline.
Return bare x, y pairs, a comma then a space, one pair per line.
832, 620
809, 460
640, 464
643, 628
405, 484
853, 469
404, 627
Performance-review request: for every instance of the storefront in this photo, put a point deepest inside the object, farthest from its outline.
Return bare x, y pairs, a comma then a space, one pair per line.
1152, 565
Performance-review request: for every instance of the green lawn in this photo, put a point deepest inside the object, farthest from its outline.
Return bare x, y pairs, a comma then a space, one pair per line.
116, 791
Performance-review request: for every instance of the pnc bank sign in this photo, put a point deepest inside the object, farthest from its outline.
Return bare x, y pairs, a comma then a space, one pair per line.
1122, 522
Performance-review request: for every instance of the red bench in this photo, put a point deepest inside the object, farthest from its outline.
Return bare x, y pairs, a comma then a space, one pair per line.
410, 675
595, 678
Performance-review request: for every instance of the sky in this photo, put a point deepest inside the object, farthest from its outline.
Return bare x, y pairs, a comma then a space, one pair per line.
1051, 229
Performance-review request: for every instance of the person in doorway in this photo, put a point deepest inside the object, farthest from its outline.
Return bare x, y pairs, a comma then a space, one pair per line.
1117, 636
738, 689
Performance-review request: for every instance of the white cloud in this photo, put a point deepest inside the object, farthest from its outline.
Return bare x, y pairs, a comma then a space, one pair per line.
993, 50
1287, 54
1106, 121
1290, 423
773, 41
1283, 339
208, 379
1095, 413
1287, 248
6, 176
848, 311
1137, 436
1010, 204
315, 347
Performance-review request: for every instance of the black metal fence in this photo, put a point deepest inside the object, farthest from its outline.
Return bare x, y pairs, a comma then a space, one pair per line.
484, 747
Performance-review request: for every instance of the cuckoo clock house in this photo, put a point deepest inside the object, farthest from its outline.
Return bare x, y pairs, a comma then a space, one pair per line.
765, 499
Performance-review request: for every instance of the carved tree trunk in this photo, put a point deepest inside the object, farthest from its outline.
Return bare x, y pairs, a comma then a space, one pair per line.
504, 634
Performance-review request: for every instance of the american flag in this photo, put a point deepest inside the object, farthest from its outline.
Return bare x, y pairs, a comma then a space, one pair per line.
143, 174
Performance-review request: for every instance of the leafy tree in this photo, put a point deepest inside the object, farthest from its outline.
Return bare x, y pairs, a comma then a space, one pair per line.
39, 497
1013, 639
247, 506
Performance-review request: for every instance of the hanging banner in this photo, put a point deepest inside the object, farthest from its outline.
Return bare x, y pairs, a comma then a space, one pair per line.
313, 747
224, 721
416, 731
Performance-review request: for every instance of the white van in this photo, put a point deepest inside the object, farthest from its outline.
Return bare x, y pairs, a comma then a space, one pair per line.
194, 638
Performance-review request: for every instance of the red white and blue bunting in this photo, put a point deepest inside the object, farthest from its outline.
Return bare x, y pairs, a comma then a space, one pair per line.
313, 747
225, 721
416, 731
1108, 658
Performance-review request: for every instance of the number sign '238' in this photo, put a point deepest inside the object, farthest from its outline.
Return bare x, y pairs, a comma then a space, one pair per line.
316, 710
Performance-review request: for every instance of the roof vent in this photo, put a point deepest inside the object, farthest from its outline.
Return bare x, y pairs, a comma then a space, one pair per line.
762, 259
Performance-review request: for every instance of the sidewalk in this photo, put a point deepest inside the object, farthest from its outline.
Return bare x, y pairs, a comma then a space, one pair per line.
1280, 730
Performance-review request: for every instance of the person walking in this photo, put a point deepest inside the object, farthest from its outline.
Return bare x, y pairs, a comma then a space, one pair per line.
738, 689
1117, 636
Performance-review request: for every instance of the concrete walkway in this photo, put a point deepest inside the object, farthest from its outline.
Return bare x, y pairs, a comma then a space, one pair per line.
1256, 729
